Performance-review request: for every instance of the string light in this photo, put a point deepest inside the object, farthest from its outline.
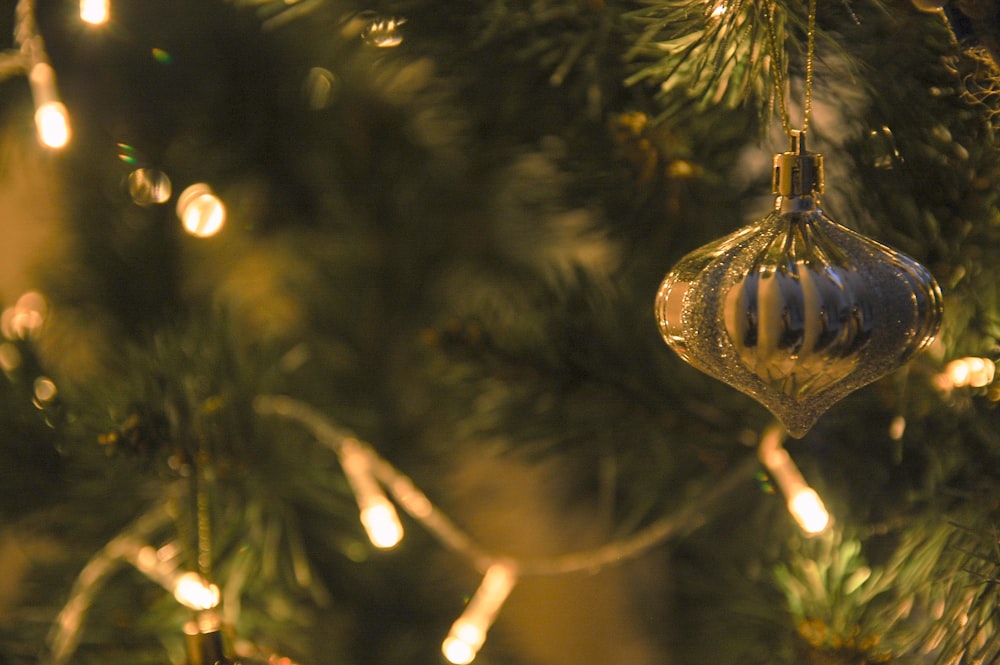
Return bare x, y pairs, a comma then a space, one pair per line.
149, 186
195, 592
201, 212
44, 390
26, 317
804, 504
378, 516
897, 428
95, 12
51, 117
971, 371
159, 565
468, 633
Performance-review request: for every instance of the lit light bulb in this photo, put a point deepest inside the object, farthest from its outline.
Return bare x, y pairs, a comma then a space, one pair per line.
897, 428
378, 515
201, 211
468, 633
808, 510
52, 124
26, 317
804, 504
95, 12
971, 371
45, 391
458, 650
51, 117
149, 186
10, 357
382, 524
195, 592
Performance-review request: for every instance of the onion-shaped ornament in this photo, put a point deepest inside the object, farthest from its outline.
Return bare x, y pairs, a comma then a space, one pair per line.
796, 310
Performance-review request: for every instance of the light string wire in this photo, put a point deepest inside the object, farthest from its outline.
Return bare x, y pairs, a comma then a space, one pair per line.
779, 65
418, 506
31, 60
64, 636
16, 61
129, 545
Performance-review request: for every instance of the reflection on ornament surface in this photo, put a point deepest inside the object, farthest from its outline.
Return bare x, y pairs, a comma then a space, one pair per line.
382, 31
796, 310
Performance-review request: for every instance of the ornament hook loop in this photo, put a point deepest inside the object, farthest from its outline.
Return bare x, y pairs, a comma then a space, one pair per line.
798, 172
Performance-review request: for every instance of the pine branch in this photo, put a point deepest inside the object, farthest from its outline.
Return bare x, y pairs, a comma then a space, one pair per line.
712, 55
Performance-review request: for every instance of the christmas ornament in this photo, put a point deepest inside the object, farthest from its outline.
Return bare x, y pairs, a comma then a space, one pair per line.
796, 310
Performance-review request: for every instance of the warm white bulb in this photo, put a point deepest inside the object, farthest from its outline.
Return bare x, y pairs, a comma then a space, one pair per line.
382, 523
958, 372
201, 211
378, 515
52, 124
193, 591
26, 317
95, 12
45, 390
971, 371
808, 510
458, 651
897, 428
468, 633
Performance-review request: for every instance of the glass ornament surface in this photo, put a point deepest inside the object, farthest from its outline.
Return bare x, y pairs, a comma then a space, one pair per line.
796, 310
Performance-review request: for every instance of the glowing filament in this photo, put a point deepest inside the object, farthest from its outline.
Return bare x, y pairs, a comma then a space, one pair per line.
201, 211
468, 633
804, 504
95, 12
195, 592
51, 117
378, 516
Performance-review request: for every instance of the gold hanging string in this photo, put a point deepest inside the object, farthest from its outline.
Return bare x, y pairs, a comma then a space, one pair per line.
810, 57
778, 66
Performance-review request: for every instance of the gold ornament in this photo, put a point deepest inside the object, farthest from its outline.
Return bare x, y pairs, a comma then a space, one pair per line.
796, 310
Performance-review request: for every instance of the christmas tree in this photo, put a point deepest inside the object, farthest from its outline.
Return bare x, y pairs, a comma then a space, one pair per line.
328, 334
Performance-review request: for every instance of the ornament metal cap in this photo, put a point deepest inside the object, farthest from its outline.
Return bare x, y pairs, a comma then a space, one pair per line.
798, 172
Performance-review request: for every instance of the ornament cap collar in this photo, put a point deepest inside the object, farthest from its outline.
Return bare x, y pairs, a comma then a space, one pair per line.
798, 172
